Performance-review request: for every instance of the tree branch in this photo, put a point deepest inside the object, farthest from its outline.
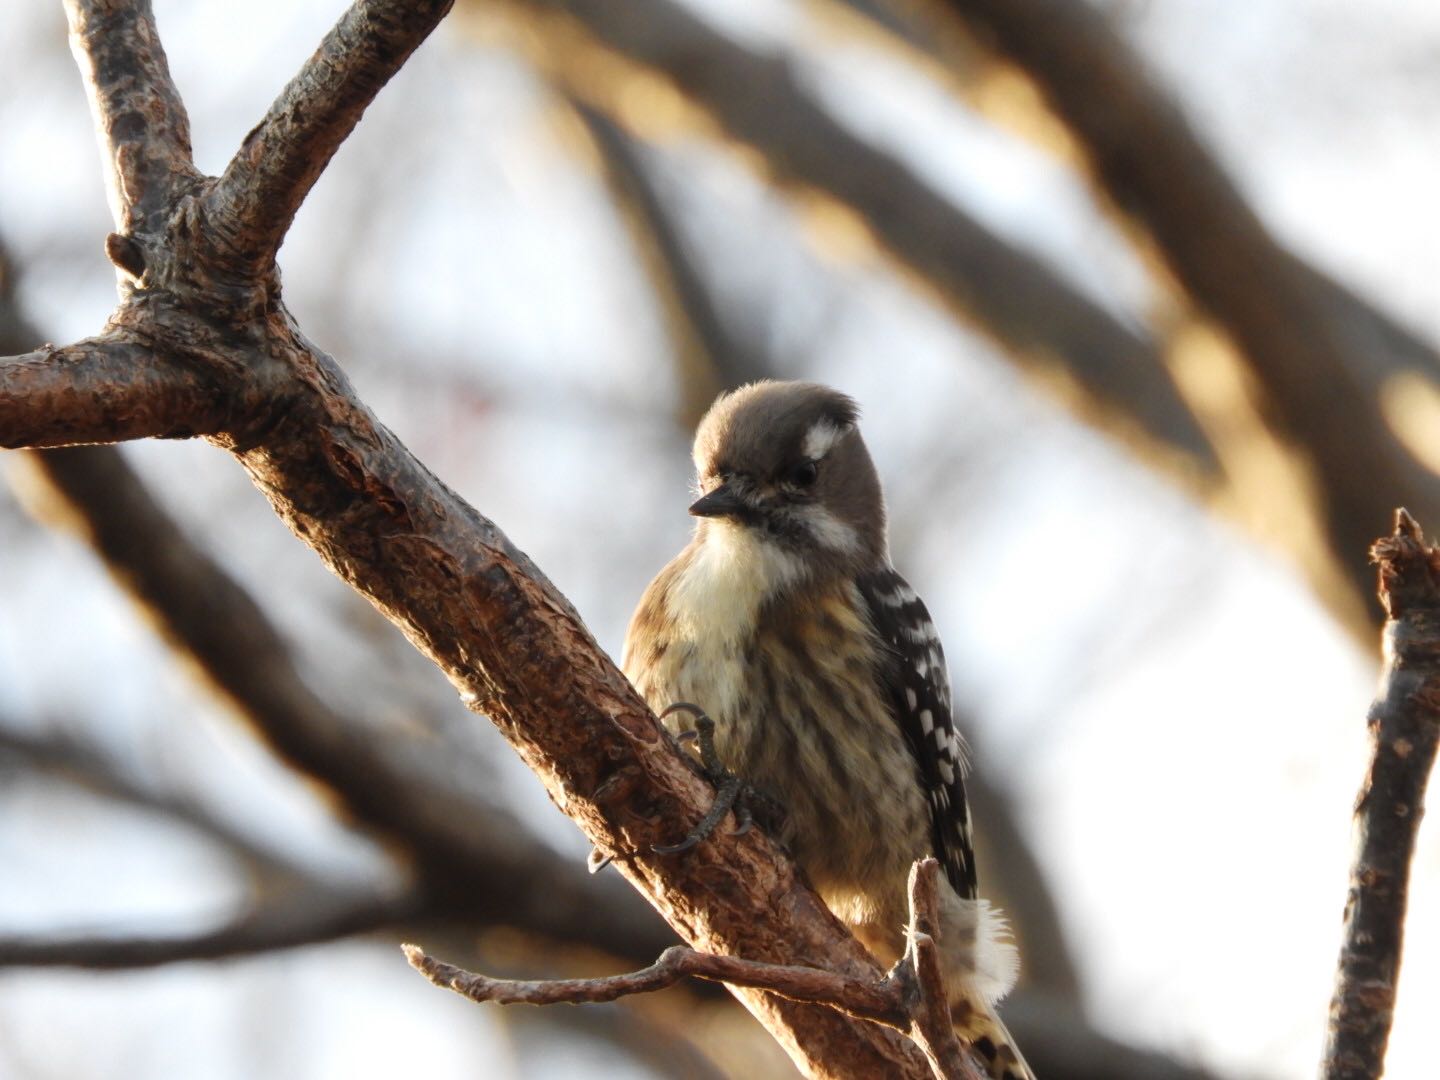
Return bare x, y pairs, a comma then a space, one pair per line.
1404, 727
474, 857
1290, 333
309, 917
515, 649
1106, 370
140, 120
105, 389
254, 202
911, 998
855, 997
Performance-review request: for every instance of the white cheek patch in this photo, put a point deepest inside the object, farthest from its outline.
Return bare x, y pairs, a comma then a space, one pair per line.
829, 531
821, 439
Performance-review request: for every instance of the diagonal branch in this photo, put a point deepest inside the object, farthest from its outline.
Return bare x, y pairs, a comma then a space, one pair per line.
1290, 332
255, 200
1108, 371
516, 650
105, 389
1405, 731
470, 853
140, 120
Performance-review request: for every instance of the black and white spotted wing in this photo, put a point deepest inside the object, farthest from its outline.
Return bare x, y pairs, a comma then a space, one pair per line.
919, 687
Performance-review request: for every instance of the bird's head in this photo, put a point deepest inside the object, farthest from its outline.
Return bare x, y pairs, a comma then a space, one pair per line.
784, 462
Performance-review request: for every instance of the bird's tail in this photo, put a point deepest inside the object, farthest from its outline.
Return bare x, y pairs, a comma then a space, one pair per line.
977, 1024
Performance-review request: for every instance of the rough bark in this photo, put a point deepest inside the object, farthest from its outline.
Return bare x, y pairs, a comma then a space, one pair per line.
254, 202
105, 389
140, 120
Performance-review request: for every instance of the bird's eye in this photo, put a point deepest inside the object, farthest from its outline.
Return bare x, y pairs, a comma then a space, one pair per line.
804, 474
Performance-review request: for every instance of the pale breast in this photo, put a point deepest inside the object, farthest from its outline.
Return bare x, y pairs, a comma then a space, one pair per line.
789, 679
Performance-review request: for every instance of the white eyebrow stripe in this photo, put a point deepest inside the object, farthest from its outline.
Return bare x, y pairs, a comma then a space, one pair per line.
821, 439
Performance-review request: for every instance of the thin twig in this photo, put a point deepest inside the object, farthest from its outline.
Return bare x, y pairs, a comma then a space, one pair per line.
1405, 731
263, 186
911, 998
856, 997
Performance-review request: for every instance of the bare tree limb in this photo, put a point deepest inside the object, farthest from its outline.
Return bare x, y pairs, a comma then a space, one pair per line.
1404, 727
910, 999
508, 641
143, 128
307, 917
516, 650
254, 202
104, 389
1106, 370
1290, 334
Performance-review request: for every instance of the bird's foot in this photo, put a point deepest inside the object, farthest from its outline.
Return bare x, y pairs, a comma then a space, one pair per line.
731, 791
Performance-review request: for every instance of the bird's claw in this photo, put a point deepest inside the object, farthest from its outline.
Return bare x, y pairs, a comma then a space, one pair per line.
731, 792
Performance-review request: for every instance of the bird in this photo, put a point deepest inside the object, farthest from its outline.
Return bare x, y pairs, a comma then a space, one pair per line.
822, 681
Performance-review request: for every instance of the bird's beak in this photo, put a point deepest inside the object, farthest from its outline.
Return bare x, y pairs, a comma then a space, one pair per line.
720, 502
